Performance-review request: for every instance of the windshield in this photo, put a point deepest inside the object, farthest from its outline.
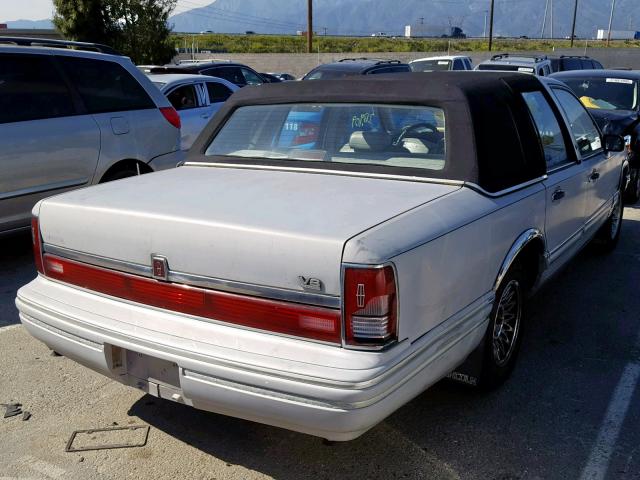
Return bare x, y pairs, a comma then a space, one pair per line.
329, 74
392, 136
430, 65
505, 68
605, 93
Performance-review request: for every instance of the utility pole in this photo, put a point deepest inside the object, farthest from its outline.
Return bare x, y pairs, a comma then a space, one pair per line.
551, 19
544, 20
573, 26
309, 26
613, 7
491, 26
484, 30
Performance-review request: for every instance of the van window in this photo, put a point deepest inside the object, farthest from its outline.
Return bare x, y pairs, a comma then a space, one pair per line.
31, 89
184, 98
105, 86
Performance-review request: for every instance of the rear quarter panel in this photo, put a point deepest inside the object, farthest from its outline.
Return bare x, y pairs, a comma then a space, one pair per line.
448, 252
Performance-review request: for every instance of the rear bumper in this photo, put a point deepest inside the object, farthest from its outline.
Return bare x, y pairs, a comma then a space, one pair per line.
317, 389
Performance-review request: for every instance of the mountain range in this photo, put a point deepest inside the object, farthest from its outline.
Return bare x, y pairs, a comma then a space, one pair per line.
364, 17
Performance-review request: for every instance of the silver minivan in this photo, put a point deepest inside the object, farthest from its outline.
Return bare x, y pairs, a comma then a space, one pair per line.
71, 118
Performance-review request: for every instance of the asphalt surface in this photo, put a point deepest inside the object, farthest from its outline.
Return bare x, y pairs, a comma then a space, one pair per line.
571, 409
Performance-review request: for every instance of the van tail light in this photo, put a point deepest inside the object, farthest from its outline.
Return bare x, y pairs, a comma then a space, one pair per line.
37, 244
370, 306
288, 318
171, 116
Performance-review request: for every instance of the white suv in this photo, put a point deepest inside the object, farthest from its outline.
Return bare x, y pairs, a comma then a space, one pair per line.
71, 118
534, 65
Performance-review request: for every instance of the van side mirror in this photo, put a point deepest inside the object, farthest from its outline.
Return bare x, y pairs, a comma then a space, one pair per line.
614, 143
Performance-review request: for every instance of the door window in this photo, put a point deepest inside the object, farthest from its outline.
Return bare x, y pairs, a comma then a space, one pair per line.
31, 88
549, 132
584, 130
457, 64
218, 92
183, 98
105, 86
251, 78
232, 74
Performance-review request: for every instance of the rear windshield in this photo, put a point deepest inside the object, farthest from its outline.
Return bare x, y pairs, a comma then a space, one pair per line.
363, 134
430, 65
505, 68
607, 93
330, 74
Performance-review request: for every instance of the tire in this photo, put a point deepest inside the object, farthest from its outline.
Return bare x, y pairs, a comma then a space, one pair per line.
632, 193
119, 174
501, 344
609, 234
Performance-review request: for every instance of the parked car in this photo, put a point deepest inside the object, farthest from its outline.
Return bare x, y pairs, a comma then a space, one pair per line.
506, 62
613, 98
574, 62
71, 118
321, 289
285, 77
348, 67
196, 98
236, 73
434, 64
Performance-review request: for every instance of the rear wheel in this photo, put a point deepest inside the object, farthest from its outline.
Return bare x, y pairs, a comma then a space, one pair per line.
632, 192
502, 339
120, 174
607, 237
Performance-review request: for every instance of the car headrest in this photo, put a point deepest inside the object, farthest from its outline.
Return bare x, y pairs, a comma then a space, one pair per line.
370, 141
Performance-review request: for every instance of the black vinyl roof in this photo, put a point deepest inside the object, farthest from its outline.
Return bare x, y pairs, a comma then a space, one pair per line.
491, 138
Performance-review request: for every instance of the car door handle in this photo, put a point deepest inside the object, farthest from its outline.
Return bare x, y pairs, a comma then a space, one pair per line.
595, 175
557, 195
205, 115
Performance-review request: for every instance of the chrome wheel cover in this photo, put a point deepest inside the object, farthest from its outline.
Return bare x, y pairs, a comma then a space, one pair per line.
506, 323
616, 217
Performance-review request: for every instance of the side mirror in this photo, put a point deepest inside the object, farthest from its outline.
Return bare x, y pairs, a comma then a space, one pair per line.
614, 143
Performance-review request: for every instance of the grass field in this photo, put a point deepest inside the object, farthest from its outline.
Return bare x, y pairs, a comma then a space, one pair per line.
222, 43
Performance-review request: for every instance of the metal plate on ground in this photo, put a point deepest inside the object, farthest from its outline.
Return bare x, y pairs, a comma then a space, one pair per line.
108, 438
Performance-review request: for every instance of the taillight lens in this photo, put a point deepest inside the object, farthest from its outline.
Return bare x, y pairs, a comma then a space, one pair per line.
172, 116
311, 322
37, 244
370, 306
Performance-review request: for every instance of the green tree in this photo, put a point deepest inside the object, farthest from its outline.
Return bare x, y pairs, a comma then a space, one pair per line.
137, 28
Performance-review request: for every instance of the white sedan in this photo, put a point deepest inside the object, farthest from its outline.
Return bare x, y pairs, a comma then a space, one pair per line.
326, 254
196, 98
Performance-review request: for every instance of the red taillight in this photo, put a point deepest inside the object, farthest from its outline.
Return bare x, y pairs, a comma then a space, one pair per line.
171, 115
370, 306
316, 323
37, 244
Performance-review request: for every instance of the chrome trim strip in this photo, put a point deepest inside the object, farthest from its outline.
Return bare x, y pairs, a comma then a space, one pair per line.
44, 188
568, 243
232, 286
522, 241
506, 191
344, 173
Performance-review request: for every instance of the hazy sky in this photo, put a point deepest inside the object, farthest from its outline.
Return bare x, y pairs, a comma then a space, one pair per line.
25, 9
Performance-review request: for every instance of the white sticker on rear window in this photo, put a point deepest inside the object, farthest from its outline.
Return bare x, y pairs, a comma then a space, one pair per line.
525, 69
443, 62
620, 80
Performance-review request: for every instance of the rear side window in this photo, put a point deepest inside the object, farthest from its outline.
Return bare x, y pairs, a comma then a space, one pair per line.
597, 65
251, 78
105, 86
572, 64
183, 98
584, 130
232, 74
555, 150
457, 64
218, 92
31, 88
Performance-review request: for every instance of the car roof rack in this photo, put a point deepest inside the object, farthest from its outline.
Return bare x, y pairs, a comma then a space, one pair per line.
537, 58
48, 42
575, 56
376, 61
207, 60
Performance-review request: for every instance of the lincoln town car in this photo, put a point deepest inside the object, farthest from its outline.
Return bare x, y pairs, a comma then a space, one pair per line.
330, 249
